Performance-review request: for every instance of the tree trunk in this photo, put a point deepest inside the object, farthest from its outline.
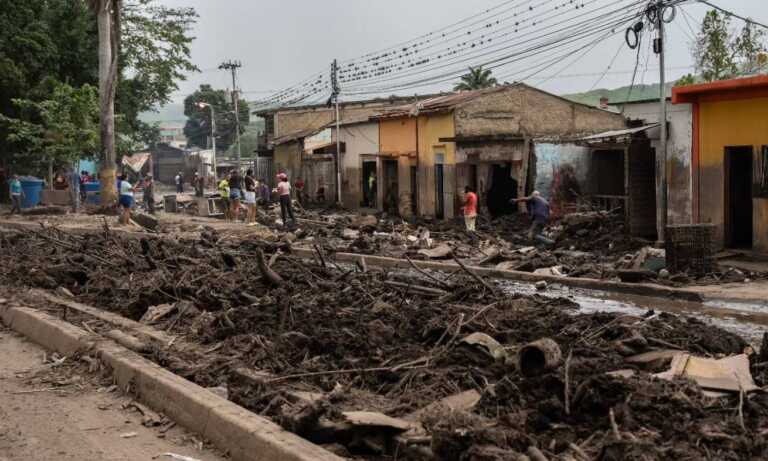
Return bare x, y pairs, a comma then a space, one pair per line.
107, 78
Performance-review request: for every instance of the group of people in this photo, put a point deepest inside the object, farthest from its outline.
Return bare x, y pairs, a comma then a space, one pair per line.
536, 205
235, 190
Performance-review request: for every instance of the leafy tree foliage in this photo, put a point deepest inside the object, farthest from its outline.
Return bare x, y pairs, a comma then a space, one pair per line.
476, 79
52, 45
198, 127
722, 53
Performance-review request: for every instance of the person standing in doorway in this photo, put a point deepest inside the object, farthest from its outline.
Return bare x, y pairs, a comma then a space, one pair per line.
372, 190
149, 194
284, 191
470, 209
250, 197
538, 208
17, 193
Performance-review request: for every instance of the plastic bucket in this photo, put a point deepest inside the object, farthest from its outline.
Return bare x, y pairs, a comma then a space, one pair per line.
32, 189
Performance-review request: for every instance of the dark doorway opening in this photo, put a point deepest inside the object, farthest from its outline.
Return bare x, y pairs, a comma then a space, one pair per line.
503, 189
439, 191
391, 189
738, 196
369, 186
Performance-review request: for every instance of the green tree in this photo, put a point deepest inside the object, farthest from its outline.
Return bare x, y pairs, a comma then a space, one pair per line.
57, 40
476, 79
722, 53
59, 130
198, 127
687, 79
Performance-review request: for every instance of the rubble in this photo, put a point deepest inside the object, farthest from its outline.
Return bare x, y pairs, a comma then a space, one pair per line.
357, 359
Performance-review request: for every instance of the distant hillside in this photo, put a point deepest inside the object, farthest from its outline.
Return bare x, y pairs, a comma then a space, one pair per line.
618, 95
170, 113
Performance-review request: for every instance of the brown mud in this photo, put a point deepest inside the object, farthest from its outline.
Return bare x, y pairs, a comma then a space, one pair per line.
323, 340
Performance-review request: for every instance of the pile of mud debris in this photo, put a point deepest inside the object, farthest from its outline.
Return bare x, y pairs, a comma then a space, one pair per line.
590, 244
379, 365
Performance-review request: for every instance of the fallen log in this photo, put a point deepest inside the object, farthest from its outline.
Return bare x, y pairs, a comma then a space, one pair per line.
131, 342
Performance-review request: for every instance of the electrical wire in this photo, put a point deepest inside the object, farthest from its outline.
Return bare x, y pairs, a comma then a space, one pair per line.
538, 48
610, 65
731, 13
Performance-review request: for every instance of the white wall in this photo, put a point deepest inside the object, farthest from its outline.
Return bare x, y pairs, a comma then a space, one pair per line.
680, 117
360, 139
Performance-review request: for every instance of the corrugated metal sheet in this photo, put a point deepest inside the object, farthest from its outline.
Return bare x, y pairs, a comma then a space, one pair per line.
629, 132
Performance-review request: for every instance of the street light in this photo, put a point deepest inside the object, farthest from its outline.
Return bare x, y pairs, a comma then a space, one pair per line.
203, 105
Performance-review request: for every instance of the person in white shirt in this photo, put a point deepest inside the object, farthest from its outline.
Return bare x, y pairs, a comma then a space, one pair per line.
126, 190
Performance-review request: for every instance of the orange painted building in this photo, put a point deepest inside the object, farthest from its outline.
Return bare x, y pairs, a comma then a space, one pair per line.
730, 158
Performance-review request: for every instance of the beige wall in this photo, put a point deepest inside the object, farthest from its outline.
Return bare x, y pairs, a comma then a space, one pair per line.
524, 111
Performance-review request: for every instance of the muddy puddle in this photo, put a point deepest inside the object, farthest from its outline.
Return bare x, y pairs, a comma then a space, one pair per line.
747, 319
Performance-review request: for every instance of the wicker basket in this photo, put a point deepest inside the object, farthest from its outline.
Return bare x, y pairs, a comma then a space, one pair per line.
691, 248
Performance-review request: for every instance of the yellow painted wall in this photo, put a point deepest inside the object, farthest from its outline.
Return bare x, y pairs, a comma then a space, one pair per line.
432, 127
730, 124
397, 136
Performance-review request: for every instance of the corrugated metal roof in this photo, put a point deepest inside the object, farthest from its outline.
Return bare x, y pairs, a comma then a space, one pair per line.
296, 135
440, 103
618, 133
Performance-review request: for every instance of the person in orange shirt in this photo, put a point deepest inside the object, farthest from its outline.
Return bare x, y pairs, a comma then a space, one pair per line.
470, 208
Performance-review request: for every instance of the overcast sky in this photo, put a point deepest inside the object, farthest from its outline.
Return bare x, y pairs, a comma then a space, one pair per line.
281, 42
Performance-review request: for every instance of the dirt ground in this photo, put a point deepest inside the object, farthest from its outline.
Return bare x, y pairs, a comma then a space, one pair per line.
57, 413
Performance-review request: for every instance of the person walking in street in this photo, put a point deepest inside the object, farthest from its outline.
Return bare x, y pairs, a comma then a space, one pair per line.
538, 208
198, 184
284, 191
299, 185
74, 189
126, 191
470, 209
224, 190
235, 193
149, 194
179, 179
17, 193
250, 197
83, 180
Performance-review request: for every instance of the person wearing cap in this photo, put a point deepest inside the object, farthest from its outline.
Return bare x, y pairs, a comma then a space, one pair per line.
149, 194
538, 208
17, 193
284, 191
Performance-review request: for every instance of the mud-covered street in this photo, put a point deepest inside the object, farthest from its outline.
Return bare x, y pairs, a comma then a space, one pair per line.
358, 359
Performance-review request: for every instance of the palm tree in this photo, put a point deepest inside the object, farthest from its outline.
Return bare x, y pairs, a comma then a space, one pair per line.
477, 79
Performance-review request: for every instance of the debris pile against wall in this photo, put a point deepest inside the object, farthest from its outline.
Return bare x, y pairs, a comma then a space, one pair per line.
422, 365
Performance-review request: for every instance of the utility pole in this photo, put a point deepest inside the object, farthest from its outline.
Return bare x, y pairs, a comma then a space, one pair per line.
203, 105
233, 66
335, 96
661, 156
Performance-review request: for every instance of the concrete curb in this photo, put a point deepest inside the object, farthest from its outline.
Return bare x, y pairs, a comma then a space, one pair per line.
642, 289
244, 435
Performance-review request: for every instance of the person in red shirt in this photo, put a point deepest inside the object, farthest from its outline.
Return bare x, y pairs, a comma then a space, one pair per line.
470, 208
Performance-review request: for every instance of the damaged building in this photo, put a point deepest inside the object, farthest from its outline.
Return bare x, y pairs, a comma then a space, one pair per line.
729, 161
485, 139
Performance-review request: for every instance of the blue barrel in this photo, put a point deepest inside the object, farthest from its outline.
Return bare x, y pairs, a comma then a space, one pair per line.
32, 189
92, 192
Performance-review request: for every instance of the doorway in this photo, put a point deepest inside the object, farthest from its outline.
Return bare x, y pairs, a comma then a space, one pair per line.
738, 196
414, 190
503, 189
390, 189
369, 185
439, 185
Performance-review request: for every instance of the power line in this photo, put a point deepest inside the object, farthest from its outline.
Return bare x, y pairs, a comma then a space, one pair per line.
597, 82
731, 13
